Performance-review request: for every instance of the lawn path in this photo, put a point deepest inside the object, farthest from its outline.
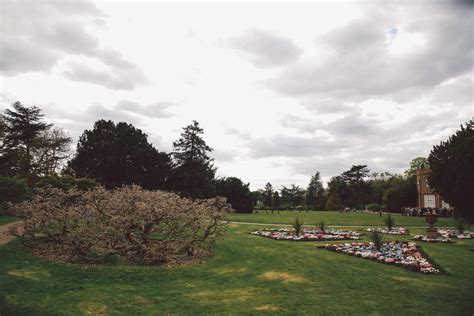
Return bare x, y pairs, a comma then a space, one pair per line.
4, 233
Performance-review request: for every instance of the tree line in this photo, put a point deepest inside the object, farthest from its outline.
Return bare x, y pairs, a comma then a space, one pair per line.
36, 153
355, 188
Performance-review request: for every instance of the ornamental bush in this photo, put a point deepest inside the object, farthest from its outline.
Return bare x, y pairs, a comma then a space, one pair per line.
128, 224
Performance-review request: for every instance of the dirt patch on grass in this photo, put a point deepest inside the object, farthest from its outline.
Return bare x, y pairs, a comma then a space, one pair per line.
5, 235
267, 308
284, 277
31, 274
225, 296
142, 300
92, 308
415, 281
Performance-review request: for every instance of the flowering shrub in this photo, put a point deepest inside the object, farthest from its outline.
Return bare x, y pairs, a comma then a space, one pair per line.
128, 224
393, 231
448, 233
400, 253
306, 234
427, 239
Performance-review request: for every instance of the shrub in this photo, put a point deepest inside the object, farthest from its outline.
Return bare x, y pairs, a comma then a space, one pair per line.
377, 238
389, 221
128, 224
66, 183
297, 226
322, 226
373, 207
12, 190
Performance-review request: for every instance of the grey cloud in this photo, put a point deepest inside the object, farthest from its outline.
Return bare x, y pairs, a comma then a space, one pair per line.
222, 155
353, 125
239, 133
156, 110
68, 36
304, 125
37, 34
98, 111
290, 146
362, 66
326, 105
18, 55
265, 49
117, 79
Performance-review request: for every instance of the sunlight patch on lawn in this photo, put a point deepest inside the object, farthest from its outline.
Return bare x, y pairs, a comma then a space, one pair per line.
284, 277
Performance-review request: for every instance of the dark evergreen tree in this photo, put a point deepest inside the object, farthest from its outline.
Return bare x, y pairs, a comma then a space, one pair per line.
359, 190
194, 172
237, 193
120, 154
29, 147
276, 205
315, 194
337, 193
268, 195
452, 171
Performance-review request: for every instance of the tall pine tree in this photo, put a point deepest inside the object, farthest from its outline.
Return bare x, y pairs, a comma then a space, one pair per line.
194, 172
315, 195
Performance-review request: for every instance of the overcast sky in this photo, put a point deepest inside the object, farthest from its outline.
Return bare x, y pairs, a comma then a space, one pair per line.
281, 89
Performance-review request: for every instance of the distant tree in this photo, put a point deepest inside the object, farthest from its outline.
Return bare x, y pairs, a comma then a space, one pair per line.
315, 195
401, 192
292, 197
359, 190
336, 193
30, 147
268, 194
452, 171
416, 164
276, 201
55, 149
237, 193
378, 184
257, 197
119, 154
194, 172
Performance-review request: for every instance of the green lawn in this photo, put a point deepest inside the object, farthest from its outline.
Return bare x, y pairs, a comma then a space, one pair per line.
247, 275
7, 219
333, 218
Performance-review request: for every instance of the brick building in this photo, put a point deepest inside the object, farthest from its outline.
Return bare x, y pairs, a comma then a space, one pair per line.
426, 197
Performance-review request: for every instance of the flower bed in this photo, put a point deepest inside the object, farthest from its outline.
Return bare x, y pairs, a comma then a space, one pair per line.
448, 233
307, 234
393, 231
400, 253
427, 239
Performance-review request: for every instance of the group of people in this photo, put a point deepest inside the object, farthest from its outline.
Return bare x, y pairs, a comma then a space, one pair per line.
420, 211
